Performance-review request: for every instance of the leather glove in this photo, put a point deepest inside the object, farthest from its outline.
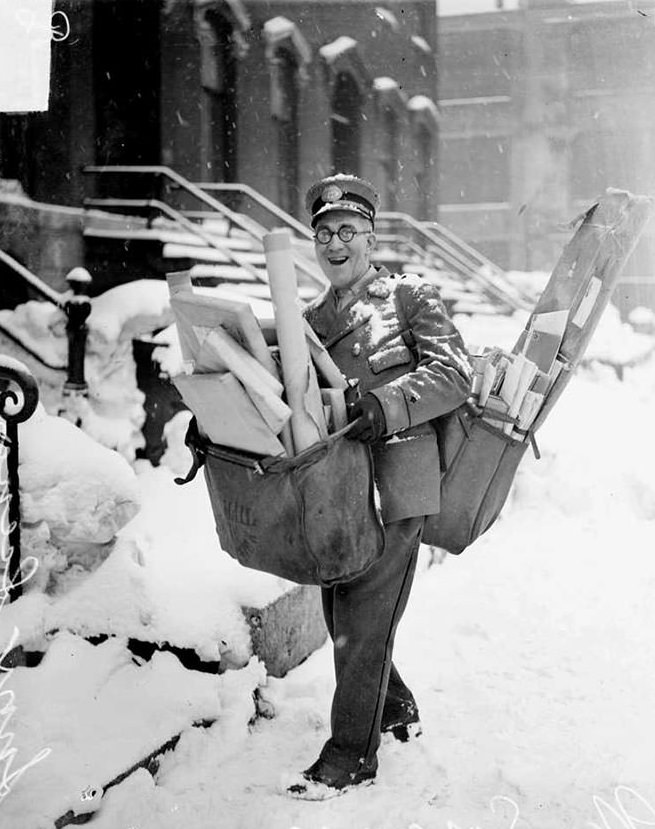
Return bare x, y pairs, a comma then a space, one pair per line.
370, 420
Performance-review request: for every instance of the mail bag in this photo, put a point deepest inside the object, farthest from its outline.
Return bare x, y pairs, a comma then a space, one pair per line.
478, 466
310, 518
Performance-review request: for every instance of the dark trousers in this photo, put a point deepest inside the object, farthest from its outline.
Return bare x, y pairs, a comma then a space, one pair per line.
362, 617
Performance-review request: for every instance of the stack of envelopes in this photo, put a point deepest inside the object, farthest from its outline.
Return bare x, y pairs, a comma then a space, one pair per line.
517, 390
511, 387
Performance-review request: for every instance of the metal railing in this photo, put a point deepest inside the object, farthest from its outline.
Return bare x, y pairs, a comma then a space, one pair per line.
190, 189
430, 240
459, 258
19, 396
39, 286
183, 221
77, 307
466, 262
269, 207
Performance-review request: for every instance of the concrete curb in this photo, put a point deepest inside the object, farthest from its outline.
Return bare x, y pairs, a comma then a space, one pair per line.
286, 631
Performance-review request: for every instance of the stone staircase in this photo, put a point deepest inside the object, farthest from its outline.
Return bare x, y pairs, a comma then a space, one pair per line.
122, 247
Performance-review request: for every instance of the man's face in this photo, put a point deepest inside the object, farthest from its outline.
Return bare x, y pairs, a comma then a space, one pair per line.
344, 262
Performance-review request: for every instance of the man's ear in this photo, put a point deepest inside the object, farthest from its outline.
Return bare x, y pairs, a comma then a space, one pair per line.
370, 242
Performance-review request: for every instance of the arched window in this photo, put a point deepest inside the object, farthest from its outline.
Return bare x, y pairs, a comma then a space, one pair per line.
390, 157
219, 83
391, 104
424, 120
284, 73
288, 55
423, 173
349, 84
346, 125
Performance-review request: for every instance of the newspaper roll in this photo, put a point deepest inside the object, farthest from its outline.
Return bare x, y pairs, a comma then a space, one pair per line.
303, 395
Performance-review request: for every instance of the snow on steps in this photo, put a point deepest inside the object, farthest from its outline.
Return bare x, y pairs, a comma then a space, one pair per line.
216, 263
109, 689
135, 712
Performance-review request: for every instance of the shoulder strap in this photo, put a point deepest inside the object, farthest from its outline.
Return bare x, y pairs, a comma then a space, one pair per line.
406, 330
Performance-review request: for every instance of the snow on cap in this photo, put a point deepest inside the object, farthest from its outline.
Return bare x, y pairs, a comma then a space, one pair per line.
342, 192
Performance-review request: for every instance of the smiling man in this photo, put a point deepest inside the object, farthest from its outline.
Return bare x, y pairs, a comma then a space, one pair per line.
391, 333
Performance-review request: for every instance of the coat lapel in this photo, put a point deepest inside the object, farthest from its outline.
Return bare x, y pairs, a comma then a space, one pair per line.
331, 325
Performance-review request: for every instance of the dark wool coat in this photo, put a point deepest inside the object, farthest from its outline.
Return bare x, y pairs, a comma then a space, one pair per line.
369, 339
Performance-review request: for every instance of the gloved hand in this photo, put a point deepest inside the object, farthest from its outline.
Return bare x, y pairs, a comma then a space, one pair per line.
371, 423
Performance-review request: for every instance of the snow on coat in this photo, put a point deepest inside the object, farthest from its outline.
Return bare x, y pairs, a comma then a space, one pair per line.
368, 339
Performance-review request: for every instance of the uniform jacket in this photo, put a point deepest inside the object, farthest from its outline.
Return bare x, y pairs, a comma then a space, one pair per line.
369, 340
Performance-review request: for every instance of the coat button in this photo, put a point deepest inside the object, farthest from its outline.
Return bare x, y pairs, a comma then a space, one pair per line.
357, 350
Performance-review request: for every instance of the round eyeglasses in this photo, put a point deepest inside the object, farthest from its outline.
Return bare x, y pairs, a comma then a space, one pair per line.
346, 233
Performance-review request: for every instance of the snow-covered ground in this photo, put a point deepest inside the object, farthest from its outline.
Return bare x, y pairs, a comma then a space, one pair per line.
530, 656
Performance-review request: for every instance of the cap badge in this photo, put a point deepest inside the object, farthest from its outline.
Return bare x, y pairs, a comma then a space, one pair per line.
332, 193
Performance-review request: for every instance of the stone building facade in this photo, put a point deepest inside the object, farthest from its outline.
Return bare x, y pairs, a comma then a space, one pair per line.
543, 106
270, 93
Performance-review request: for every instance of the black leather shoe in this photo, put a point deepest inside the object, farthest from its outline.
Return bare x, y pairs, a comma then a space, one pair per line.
402, 721
322, 780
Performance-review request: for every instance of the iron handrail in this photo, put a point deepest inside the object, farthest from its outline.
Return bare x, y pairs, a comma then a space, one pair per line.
76, 306
262, 201
34, 281
460, 262
210, 201
449, 253
477, 257
396, 239
19, 397
45, 292
176, 216
302, 230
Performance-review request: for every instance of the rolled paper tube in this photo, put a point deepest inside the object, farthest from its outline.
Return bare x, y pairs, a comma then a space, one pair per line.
323, 362
303, 395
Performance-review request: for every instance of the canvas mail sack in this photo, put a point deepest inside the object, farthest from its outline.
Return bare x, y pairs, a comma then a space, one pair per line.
478, 466
310, 518
479, 462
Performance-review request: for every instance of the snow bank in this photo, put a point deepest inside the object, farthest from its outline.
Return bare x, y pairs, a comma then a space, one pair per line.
69, 520
80, 505
95, 694
128, 311
113, 413
530, 655
163, 579
42, 327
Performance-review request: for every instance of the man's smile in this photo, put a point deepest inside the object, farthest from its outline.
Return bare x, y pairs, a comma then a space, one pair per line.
344, 262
